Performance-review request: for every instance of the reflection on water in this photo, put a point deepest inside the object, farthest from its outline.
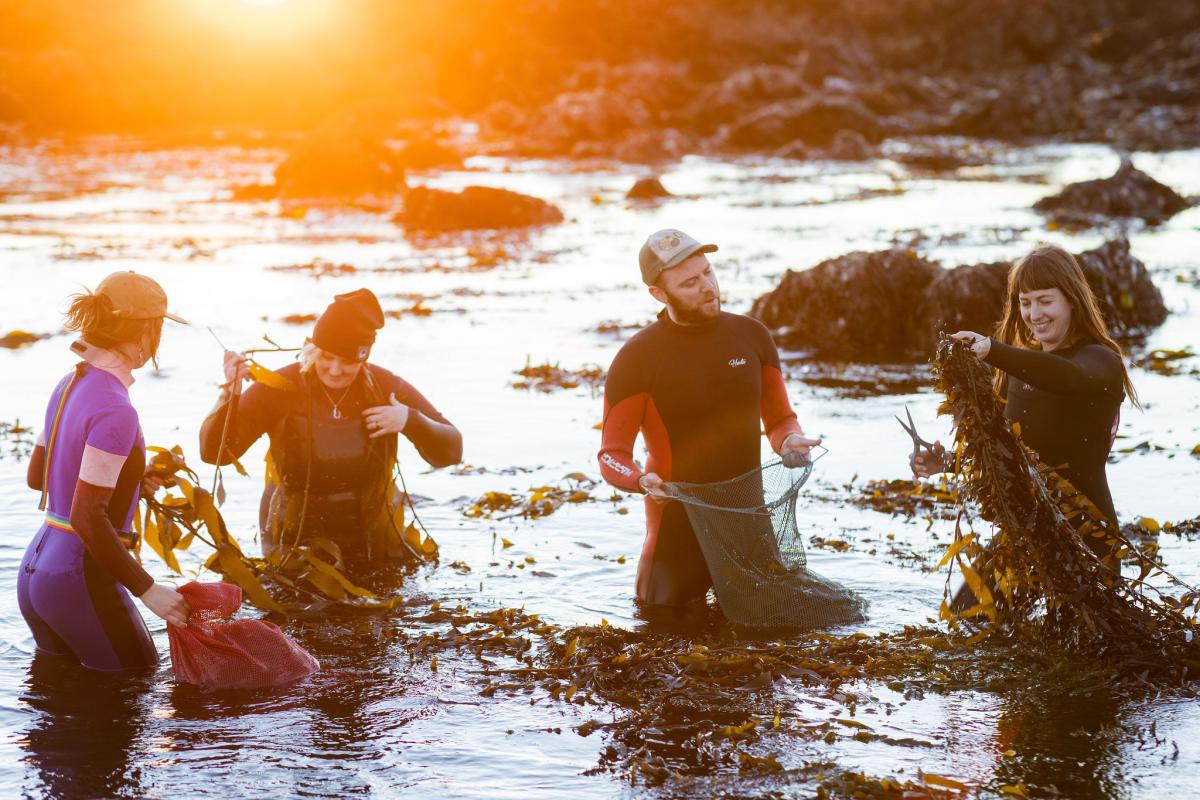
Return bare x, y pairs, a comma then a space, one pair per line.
80, 739
379, 718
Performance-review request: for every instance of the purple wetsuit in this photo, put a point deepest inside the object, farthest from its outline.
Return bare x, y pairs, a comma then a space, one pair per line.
75, 606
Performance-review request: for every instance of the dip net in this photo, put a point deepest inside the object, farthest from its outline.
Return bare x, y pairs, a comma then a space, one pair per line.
747, 530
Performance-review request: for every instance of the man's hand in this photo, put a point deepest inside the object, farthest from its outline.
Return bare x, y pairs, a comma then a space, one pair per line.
654, 487
796, 450
980, 345
382, 420
930, 462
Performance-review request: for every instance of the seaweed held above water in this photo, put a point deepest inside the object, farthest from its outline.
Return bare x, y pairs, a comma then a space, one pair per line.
1037, 578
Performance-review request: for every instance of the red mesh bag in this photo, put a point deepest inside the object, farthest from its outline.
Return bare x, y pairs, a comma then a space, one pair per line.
219, 653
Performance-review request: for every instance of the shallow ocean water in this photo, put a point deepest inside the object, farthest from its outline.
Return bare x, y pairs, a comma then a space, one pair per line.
378, 722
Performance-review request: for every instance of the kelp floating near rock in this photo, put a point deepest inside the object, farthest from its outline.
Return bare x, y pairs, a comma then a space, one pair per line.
890, 305
1037, 577
1128, 193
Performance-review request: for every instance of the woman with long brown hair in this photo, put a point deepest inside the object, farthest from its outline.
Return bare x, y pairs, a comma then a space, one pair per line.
77, 574
1062, 375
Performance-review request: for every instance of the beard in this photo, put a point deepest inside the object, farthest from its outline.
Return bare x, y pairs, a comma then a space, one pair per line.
691, 314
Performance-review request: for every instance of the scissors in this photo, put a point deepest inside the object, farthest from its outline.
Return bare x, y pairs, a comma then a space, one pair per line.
911, 430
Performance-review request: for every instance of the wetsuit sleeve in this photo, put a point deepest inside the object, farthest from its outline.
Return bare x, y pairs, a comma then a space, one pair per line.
626, 398
111, 437
1093, 369
434, 436
779, 420
253, 412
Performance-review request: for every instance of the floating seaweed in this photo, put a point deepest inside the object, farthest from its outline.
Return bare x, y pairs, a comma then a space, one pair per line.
1167, 361
542, 501
17, 339
1038, 579
548, 377
19, 438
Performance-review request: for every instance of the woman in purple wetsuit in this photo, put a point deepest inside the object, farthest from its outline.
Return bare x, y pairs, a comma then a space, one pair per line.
77, 574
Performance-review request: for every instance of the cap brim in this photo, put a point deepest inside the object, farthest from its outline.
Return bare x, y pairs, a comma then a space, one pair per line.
684, 255
175, 318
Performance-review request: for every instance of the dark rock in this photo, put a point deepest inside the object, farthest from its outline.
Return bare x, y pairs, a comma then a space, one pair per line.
332, 162
647, 189
743, 90
890, 305
814, 121
251, 192
474, 207
1132, 305
850, 146
966, 298
593, 115
427, 152
857, 307
1128, 193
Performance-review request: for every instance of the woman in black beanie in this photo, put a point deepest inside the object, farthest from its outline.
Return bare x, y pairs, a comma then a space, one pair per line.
333, 436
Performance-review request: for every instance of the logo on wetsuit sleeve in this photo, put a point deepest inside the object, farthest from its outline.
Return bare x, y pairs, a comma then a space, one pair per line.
737, 362
615, 465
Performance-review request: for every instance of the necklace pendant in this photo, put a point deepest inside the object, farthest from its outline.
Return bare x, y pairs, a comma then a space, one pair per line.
337, 414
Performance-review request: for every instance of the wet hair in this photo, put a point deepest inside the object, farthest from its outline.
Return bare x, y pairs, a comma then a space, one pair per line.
1048, 266
92, 315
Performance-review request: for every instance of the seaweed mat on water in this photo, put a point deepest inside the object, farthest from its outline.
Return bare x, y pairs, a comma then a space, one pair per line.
1037, 577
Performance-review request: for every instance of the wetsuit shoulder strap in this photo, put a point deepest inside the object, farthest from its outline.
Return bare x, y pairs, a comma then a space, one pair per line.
80, 368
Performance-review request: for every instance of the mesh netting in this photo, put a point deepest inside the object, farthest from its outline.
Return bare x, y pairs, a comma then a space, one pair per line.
219, 653
746, 527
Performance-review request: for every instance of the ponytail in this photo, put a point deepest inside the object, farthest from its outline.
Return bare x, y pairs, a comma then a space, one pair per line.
93, 316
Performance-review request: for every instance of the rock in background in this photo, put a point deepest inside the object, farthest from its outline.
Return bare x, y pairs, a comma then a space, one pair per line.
890, 305
475, 207
1128, 193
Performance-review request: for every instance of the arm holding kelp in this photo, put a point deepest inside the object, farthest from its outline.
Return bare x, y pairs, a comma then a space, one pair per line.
240, 418
1092, 369
1037, 578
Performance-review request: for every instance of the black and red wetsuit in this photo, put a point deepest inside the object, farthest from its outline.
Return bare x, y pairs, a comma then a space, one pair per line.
696, 393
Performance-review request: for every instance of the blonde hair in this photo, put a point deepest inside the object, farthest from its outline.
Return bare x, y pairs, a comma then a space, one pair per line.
309, 354
95, 319
1048, 266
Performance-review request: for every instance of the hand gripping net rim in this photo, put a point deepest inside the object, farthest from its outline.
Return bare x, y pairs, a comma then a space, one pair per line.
746, 527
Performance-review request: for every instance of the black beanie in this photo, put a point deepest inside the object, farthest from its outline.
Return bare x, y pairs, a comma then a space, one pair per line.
347, 328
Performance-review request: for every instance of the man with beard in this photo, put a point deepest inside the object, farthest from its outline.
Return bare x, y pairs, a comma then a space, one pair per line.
695, 383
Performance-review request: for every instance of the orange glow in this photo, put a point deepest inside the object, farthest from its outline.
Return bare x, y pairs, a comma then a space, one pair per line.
264, 21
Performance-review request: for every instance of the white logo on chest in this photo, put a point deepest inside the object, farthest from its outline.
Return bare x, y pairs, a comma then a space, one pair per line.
737, 362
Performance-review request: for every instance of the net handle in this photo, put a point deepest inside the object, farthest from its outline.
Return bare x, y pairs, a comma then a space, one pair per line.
673, 490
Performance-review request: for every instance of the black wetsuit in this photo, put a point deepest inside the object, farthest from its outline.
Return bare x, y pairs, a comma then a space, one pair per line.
696, 393
329, 478
1067, 402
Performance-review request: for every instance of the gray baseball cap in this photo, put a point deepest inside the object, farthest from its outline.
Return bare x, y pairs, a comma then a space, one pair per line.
665, 249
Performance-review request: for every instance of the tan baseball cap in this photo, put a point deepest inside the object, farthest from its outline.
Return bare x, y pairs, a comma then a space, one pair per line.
135, 296
665, 249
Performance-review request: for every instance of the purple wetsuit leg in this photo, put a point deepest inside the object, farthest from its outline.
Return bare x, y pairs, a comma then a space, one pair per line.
70, 601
